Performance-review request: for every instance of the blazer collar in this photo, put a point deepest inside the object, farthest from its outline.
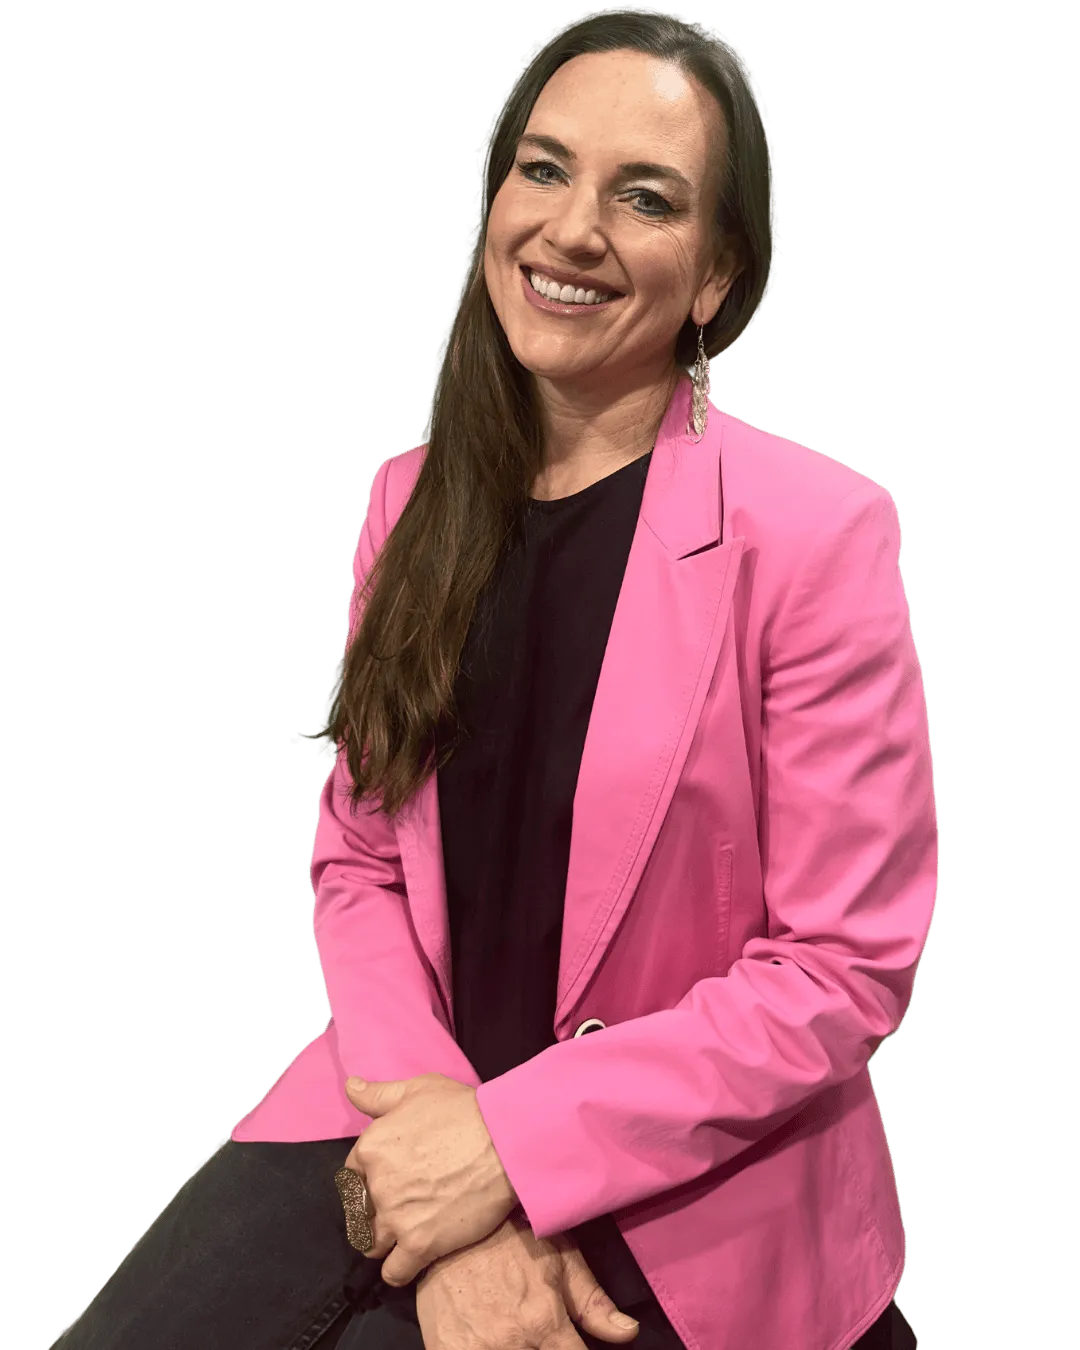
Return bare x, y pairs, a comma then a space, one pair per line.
665, 638
681, 502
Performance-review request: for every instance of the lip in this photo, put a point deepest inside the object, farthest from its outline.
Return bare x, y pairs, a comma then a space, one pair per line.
554, 307
585, 282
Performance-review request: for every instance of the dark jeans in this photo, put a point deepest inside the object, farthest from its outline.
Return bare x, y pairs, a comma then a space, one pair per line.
251, 1254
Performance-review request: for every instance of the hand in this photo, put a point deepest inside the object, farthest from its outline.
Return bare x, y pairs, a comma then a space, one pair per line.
434, 1178
513, 1289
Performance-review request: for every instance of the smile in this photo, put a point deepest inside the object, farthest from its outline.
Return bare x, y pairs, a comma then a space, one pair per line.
568, 295
547, 294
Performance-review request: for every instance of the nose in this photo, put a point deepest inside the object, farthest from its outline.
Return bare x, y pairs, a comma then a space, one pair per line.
574, 224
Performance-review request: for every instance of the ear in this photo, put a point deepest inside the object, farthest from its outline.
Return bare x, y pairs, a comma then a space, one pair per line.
724, 273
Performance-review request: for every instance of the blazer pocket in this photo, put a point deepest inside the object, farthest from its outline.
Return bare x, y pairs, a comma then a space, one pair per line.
723, 906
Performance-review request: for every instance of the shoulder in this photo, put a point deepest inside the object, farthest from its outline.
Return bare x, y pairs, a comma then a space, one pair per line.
776, 485
390, 488
401, 474
816, 529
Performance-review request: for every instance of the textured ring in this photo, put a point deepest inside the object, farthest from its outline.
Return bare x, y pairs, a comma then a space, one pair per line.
354, 1198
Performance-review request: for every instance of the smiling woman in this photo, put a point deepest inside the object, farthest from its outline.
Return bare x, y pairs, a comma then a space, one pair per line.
631, 111
628, 854
654, 219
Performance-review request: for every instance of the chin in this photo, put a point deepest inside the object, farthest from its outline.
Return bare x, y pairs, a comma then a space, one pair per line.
552, 365
557, 374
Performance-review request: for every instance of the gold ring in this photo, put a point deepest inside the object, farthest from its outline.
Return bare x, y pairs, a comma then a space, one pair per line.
354, 1198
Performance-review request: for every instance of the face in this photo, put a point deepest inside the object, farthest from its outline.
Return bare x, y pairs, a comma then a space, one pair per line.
580, 212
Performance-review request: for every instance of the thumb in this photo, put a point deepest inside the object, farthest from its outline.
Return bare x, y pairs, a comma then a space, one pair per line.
374, 1099
590, 1305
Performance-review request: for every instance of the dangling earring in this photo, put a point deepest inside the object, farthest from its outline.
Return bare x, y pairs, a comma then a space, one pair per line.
700, 377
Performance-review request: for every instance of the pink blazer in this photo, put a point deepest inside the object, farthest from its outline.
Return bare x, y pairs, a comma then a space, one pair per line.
751, 878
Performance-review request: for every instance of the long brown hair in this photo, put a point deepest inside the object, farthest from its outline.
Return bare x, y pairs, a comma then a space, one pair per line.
484, 452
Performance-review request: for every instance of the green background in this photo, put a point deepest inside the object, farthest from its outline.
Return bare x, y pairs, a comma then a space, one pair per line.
231, 238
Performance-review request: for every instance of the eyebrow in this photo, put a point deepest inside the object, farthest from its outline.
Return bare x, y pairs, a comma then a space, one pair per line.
633, 169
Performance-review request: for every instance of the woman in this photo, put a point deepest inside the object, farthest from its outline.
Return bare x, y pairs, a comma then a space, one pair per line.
662, 663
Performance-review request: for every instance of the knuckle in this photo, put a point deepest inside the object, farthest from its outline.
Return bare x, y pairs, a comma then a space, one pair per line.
596, 1301
538, 1315
413, 1244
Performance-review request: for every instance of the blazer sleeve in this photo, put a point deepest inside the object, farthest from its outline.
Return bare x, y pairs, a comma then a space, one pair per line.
848, 840
383, 997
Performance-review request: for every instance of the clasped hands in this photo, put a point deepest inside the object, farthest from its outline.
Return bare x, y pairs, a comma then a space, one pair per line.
434, 1178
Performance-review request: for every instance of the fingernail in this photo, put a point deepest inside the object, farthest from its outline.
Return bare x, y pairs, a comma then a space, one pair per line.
621, 1320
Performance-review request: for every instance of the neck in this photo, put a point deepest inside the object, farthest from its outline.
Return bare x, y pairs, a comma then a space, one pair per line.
589, 434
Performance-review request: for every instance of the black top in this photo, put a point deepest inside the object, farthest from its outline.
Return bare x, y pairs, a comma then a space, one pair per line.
524, 692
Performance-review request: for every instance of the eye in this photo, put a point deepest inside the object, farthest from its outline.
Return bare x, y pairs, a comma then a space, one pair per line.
531, 170
533, 165
663, 207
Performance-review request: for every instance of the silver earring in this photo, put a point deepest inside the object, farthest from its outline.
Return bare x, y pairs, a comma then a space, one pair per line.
700, 376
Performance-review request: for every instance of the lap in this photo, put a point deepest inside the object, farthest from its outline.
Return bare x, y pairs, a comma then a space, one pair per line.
252, 1254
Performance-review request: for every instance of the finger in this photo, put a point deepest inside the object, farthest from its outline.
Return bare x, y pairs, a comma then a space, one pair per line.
382, 1240
400, 1269
590, 1305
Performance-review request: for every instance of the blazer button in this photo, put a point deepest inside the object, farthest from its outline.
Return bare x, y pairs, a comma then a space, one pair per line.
590, 1024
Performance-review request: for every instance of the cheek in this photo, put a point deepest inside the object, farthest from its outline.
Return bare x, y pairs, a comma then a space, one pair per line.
501, 221
664, 270
489, 264
516, 218
498, 246
495, 281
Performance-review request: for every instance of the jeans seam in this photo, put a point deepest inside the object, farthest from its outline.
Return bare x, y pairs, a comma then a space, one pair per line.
322, 1323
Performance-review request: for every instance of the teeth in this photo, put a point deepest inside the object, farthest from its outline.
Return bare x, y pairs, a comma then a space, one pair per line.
565, 295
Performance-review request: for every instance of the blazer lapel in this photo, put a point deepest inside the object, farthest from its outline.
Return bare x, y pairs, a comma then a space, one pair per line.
662, 650
658, 665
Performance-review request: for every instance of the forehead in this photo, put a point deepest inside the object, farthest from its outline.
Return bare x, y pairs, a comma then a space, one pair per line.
625, 101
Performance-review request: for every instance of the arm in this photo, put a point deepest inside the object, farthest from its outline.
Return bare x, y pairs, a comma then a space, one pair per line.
848, 842
382, 995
